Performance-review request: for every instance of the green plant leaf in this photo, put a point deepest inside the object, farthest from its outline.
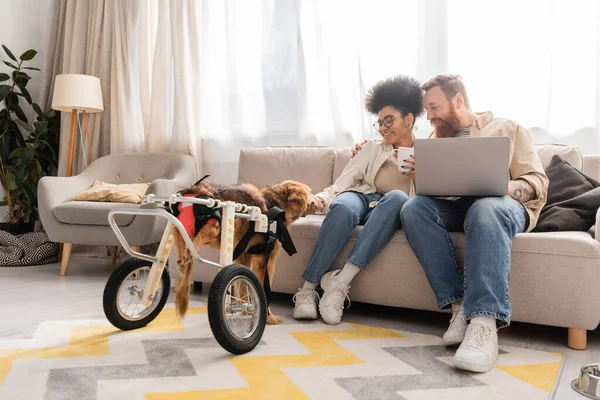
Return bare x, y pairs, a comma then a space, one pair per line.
31, 68
9, 181
25, 125
4, 202
10, 65
8, 52
37, 109
25, 93
16, 153
41, 127
20, 78
28, 55
4, 77
4, 91
19, 111
51, 114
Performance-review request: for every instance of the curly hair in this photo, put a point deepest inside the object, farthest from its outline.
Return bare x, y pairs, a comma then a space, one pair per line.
401, 92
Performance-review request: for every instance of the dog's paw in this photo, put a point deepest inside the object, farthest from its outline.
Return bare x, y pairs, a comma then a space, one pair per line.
273, 319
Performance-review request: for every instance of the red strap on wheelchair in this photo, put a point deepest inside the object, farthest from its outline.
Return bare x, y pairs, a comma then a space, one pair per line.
188, 219
186, 216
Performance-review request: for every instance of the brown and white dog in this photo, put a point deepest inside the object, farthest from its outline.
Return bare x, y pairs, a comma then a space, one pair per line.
293, 197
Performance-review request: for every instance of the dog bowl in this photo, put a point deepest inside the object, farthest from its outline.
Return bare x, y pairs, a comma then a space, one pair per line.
588, 382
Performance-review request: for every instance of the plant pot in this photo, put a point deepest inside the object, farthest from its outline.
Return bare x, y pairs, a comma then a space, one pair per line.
18, 228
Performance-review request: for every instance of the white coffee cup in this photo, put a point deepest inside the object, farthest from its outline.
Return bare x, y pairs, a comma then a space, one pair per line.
404, 153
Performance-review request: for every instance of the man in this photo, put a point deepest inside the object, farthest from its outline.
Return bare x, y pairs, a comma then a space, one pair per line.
479, 299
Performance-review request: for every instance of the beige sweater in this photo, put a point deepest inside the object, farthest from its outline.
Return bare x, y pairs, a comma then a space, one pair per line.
524, 162
359, 175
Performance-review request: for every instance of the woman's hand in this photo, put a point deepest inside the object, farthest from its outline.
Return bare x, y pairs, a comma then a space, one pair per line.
410, 165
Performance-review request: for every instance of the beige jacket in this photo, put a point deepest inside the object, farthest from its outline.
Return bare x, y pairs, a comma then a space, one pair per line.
359, 174
524, 162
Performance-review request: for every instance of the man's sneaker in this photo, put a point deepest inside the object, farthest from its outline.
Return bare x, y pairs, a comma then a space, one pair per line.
306, 301
331, 305
458, 326
479, 349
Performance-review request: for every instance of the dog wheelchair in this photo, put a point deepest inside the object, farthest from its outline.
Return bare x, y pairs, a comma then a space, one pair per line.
138, 289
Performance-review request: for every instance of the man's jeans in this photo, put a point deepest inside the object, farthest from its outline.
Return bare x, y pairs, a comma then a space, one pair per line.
346, 211
489, 224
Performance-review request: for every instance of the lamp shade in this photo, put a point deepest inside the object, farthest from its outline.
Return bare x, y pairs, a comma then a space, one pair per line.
77, 92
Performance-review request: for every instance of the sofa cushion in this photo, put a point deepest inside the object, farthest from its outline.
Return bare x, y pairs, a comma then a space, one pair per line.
265, 166
573, 199
579, 244
570, 154
91, 213
342, 158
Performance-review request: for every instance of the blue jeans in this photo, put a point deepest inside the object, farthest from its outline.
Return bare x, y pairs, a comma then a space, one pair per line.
346, 211
489, 224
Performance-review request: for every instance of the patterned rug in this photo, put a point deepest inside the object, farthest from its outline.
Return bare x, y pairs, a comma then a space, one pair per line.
171, 359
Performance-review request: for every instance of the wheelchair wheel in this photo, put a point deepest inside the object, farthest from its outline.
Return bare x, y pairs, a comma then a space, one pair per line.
123, 293
237, 309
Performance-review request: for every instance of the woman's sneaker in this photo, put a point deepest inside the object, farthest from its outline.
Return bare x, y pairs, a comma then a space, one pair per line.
335, 294
306, 302
458, 326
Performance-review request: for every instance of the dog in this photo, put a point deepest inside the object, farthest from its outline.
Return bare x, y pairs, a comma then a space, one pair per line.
295, 198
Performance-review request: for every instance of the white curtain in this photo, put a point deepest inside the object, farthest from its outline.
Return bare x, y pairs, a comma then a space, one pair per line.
208, 78
536, 61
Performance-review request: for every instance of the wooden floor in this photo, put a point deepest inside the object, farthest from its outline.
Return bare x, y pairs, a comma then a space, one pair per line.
29, 295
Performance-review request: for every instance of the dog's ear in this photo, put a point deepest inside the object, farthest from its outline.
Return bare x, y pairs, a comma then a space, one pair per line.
294, 191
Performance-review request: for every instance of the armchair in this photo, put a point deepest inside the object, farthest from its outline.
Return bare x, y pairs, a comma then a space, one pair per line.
86, 222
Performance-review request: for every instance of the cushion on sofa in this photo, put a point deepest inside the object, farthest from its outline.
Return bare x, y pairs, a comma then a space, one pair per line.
265, 166
573, 199
570, 154
119, 193
579, 244
342, 158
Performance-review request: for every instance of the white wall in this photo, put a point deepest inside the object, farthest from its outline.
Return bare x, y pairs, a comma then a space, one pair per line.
23, 27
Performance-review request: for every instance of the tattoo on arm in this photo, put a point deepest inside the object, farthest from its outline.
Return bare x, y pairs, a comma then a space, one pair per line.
521, 190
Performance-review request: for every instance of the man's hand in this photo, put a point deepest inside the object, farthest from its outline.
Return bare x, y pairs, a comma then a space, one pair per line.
521, 190
358, 147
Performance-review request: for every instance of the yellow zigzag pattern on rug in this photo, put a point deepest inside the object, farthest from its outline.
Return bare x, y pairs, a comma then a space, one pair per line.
263, 373
91, 340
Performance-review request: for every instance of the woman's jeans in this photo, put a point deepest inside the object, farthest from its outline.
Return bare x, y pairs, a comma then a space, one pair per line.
345, 212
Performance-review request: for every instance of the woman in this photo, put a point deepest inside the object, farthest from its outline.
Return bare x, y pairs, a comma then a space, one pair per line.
370, 191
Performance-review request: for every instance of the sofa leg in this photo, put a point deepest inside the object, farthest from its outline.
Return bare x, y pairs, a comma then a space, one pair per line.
577, 339
66, 255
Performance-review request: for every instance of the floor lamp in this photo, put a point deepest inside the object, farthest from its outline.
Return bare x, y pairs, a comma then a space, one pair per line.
77, 93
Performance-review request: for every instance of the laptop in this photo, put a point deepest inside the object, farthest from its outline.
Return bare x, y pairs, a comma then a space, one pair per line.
462, 166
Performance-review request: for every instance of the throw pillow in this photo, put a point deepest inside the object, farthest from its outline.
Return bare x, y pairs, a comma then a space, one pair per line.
124, 193
573, 199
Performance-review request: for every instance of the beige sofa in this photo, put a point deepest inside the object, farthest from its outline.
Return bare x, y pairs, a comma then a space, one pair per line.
554, 279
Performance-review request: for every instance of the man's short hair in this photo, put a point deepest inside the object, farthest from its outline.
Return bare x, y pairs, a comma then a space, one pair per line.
450, 84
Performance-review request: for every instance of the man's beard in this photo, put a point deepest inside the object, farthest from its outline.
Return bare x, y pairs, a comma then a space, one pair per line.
445, 128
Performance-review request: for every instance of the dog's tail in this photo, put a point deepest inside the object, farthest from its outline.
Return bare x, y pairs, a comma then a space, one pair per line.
182, 291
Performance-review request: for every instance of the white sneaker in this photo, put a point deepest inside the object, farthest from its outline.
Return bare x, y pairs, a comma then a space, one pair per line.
331, 305
458, 326
306, 301
479, 349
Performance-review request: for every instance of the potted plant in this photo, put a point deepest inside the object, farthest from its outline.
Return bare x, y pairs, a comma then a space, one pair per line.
27, 152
